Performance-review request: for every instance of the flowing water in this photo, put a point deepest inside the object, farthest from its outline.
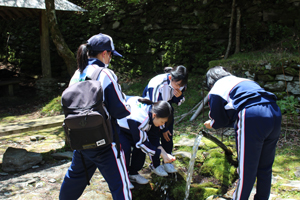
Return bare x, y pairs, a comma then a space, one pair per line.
191, 166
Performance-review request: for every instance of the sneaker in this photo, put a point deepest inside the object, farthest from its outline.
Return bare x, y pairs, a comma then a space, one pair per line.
159, 170
138, 179
169, 167
131, 186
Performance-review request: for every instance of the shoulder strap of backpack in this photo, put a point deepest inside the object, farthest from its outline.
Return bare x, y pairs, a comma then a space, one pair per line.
117, 139
94, 76
96, 73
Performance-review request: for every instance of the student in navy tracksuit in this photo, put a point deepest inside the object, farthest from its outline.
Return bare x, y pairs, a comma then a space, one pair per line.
97, 53
168, 87
146, 116
253, 112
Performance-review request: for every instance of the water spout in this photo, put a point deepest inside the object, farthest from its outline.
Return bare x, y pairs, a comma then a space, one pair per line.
191, 166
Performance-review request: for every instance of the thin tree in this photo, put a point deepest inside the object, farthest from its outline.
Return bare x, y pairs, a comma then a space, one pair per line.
230, 29
61, 46
238, 30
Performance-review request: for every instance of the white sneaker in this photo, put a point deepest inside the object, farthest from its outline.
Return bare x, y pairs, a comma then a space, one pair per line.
131, 186
138, 179
159, 170
169, 167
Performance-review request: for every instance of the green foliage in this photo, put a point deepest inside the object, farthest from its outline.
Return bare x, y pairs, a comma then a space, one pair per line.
276, 31
289, 105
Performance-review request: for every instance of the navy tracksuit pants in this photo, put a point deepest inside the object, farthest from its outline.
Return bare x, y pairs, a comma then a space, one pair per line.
156, 138
257, 133
135, 158
168, 146
105, 159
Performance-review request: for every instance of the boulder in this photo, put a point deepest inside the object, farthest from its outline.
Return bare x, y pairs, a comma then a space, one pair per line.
15, 159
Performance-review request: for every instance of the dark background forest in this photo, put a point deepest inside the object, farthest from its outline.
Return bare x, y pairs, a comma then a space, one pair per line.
152, 34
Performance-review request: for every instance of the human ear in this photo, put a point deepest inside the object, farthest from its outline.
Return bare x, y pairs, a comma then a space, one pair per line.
153, 115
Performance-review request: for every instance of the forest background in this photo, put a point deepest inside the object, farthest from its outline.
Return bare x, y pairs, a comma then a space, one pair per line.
152, 34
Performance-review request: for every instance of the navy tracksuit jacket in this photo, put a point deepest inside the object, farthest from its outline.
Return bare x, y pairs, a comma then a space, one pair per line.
135, 130
253, 112
104, 158
159, 88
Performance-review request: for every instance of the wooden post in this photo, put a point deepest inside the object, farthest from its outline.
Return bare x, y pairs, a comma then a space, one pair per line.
45, 50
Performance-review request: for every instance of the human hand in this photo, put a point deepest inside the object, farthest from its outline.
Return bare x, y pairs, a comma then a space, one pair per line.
166, 135
177, 92
207, 124
168, 158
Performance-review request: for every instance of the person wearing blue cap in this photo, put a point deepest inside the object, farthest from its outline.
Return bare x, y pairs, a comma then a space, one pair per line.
167, 87
97, 52
241, 103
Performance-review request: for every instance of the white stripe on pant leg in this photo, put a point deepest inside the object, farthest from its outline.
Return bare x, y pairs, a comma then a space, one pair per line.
123, 172
241, 154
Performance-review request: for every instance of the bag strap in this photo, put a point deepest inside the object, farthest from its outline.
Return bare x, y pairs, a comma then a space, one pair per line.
113, 120
86, 172
97, 72
94, 76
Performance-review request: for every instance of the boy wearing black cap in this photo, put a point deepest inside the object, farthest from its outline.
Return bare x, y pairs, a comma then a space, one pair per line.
97, 53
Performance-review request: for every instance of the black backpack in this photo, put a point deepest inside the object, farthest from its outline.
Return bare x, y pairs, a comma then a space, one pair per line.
87, 125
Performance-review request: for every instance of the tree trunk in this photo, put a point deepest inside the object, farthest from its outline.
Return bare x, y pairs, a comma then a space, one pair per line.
238, 30
61, 46
45, 50
230, 30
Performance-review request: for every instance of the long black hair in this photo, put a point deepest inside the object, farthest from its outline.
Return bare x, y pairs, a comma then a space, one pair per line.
214, 74
162, 109
178, 73
83, 53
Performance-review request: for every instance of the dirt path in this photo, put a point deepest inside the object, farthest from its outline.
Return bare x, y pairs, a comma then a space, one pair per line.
44, 182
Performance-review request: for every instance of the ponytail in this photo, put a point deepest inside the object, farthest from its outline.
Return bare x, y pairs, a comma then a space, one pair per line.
82, 57
168, 69
83, 53
146, 101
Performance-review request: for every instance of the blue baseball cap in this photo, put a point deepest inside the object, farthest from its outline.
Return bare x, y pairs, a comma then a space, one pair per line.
102, 42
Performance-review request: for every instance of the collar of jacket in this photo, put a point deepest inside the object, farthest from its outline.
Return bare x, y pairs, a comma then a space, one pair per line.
95, 61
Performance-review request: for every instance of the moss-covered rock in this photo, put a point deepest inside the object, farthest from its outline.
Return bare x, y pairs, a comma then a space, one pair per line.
291, 71
217, 165
280, 95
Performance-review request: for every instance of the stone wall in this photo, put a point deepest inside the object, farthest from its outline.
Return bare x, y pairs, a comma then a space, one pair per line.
197, 30
282, 78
